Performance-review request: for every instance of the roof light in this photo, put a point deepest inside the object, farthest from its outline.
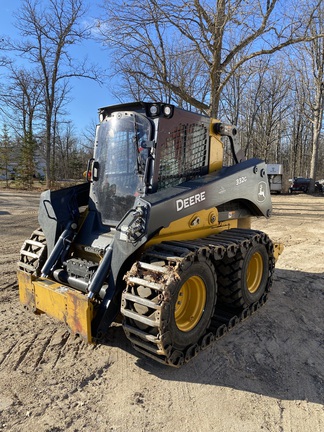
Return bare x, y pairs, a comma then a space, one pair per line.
167, 110
154, 110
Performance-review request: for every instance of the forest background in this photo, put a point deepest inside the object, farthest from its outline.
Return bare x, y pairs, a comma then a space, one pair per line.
258, 64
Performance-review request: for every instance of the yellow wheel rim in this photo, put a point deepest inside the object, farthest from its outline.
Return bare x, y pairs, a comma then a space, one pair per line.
190, 304
254, 272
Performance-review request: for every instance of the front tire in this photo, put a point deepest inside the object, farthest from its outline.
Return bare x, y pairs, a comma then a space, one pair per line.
192, 303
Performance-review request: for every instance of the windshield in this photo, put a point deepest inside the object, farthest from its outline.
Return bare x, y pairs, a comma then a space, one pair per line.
121, 155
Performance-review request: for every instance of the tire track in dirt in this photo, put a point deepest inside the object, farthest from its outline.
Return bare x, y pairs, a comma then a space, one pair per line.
31, 341
27, 350
8, 286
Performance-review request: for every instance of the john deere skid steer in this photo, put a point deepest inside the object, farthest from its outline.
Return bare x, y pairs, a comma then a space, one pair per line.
160, 233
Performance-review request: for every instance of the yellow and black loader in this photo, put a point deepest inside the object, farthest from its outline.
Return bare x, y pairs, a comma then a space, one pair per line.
160, 233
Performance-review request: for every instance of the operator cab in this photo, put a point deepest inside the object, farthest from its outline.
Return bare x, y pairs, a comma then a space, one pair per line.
141, 148
120, 160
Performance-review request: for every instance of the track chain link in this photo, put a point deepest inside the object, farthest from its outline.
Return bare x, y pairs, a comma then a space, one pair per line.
145, 302
32, 253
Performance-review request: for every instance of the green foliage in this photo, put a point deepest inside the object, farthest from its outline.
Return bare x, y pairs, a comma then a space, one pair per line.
26, 170
6, 153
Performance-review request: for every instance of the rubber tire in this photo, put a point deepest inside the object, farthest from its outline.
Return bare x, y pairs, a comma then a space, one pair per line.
232, 279
205, 271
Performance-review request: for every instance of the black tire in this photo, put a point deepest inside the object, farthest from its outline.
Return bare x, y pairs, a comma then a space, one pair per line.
242, 280
192, 295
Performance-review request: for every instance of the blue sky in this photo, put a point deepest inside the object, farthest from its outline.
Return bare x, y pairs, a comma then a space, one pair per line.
87, 95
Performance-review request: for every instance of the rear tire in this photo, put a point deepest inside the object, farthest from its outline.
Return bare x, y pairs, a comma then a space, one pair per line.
243, 280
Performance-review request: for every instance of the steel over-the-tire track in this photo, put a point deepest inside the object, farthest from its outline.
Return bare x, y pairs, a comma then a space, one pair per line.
146, 299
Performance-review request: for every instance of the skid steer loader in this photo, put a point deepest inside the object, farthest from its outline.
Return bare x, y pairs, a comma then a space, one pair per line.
160, 233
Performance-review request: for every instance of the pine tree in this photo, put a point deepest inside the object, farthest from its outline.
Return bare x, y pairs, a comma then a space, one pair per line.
6, 150
27, 166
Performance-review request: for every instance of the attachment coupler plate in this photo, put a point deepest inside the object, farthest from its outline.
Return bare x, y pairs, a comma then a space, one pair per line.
58, 301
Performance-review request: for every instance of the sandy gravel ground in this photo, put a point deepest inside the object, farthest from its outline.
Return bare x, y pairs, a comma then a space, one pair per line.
265, 375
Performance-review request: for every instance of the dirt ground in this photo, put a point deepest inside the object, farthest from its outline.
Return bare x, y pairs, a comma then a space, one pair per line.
265, 375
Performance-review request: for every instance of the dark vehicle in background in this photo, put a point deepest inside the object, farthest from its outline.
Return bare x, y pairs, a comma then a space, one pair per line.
301, 184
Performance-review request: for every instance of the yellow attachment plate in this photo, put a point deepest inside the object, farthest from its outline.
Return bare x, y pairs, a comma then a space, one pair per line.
58, 301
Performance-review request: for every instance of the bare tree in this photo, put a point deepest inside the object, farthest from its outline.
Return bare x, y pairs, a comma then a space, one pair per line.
300, 126
65, 144
22, 103
4, 60
220, 36
308, 66
48, 31
316, 53
23, 100
257, 98
87, 138
272, 110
